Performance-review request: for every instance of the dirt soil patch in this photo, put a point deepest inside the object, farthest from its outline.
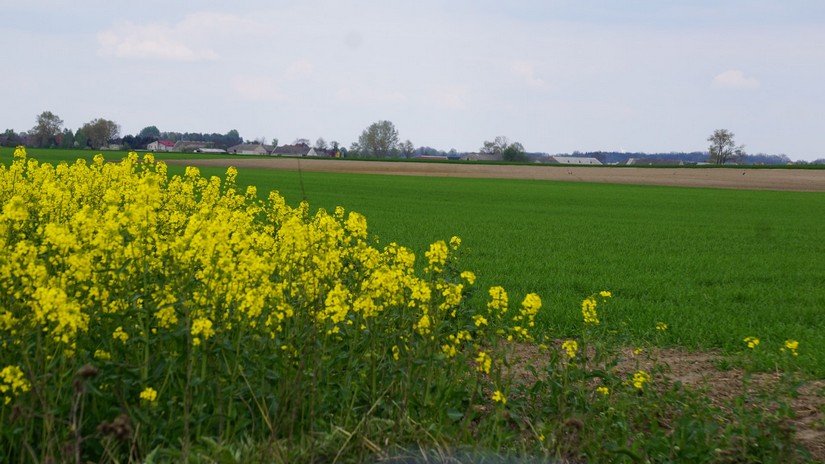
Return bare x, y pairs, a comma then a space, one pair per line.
700, 371
802, 180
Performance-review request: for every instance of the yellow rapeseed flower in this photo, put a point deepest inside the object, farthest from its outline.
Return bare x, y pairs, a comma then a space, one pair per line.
604, 391
791, 345
499, 397
752, 342
589, 313
119, 334
469, 276
640, 378
570, 347
661, 326
149, 394
13, 383
483, 362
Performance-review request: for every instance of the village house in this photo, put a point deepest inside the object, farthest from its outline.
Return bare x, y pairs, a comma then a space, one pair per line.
161, 145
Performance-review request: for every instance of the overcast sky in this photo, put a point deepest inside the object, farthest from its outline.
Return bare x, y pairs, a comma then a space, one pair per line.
555, 75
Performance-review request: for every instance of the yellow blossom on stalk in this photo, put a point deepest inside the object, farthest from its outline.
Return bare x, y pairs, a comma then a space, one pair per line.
201, 327
437, 256
479, 320
792, 346
102, 355
752, 342
423, 325
604, 391
605, 294
149, 394
571, 347
640, 378
395, 352
13, 383
498, 300
119, 334
661, 326
484, 362
469, 276
455, 242
498, 397
589, 313
231, 174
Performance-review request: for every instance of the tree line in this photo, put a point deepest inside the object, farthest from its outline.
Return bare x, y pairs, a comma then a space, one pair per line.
379, 140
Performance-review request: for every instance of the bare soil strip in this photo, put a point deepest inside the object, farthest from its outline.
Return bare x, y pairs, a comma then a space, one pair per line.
800, 180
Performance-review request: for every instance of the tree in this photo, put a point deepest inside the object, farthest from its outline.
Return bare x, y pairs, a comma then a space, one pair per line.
68, 139
274, 141
379, 140
514, 153
81, 140
407, 149
150, 132
723, 149
100, 132
321, 144
496, 147
10, 138
301, 141
47, 127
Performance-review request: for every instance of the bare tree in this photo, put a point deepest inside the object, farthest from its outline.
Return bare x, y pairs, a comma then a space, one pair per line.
723, 149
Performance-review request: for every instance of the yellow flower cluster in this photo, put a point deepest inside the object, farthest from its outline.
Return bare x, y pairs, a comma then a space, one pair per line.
484, 362
149, 394
640, 378
752, 342
589, 313
116, 261
570, 347
792, 346
499, 397
13, 383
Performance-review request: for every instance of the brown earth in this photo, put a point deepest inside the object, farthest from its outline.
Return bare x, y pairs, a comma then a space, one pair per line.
802, 180
701, 371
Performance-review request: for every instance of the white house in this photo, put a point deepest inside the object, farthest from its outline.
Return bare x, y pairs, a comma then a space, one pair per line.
160, 145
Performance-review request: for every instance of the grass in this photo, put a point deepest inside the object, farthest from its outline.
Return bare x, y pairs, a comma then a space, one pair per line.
301, 390
715, 265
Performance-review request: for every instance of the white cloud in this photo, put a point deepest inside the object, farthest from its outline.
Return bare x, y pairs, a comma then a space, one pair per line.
187, 40
257, 88
735, 79
526, 71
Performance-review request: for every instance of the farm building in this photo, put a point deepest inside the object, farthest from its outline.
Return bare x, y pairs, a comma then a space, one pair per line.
481, 157
190, 147
248, 149
161, 145
576, 160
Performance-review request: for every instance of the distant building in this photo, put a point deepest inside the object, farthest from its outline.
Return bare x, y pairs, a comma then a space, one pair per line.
190, 147
299, 149
576, 160
161, 145
210, 150
481, 157
247, 149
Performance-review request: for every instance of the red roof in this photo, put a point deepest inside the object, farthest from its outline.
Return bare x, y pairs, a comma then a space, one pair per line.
166, 143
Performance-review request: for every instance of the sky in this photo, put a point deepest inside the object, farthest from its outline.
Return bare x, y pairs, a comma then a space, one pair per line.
555, 75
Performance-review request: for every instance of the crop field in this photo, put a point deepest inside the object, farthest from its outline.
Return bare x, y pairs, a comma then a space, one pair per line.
715, 265
165, 313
